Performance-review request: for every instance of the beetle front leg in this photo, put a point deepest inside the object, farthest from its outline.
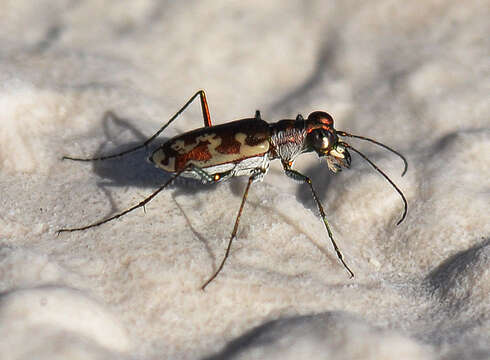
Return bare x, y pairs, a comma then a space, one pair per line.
296, 175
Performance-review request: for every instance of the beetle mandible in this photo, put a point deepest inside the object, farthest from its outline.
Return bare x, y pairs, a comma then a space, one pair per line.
246, 147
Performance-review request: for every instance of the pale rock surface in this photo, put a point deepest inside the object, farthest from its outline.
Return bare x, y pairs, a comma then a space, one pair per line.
413, 75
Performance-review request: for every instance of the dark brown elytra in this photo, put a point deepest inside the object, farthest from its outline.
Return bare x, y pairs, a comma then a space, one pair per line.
245, 148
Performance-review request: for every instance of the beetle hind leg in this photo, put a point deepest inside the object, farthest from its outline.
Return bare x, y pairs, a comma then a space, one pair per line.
205, 114
140, 204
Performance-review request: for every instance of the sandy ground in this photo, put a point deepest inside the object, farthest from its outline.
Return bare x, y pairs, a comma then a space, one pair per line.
413, 75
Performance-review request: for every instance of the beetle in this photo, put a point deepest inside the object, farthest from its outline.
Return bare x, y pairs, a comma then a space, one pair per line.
245, 147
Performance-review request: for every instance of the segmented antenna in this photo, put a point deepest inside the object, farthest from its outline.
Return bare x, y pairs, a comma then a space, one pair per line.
343, 133
384, 175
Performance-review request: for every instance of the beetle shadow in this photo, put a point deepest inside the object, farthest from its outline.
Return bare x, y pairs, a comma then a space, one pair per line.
322, 180
133, 169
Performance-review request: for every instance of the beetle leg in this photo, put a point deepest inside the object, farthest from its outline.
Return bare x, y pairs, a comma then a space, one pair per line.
205, 114
235, 229
204, 177
296, 175
204, 107
141, 204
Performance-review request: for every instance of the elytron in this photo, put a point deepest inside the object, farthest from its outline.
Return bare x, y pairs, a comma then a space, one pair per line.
246, 147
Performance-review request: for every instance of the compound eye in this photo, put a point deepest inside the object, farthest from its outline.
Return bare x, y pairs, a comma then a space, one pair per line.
320, 117
322, 139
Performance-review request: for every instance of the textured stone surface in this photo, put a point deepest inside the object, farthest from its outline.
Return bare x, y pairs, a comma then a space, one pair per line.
412, 75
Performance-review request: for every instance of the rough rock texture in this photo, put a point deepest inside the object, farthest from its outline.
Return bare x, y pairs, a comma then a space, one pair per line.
413, 75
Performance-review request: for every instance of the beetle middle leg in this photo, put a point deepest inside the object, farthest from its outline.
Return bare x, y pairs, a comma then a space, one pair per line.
255, 177
205, 114
296, 175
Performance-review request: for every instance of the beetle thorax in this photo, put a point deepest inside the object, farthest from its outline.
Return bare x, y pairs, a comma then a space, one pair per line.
287, 142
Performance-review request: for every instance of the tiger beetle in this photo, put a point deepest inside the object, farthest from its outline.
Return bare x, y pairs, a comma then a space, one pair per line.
246, 147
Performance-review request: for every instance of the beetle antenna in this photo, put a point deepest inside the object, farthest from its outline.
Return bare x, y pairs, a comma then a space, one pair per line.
343, 133
386, 177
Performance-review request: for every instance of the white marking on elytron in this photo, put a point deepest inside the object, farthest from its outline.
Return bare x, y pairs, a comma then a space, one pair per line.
159, 156
217, 158
181, 148
248, 150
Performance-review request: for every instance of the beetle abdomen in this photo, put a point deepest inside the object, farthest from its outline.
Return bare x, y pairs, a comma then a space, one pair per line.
211, 146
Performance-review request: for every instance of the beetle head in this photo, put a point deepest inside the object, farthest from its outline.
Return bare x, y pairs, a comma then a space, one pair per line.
322, 138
